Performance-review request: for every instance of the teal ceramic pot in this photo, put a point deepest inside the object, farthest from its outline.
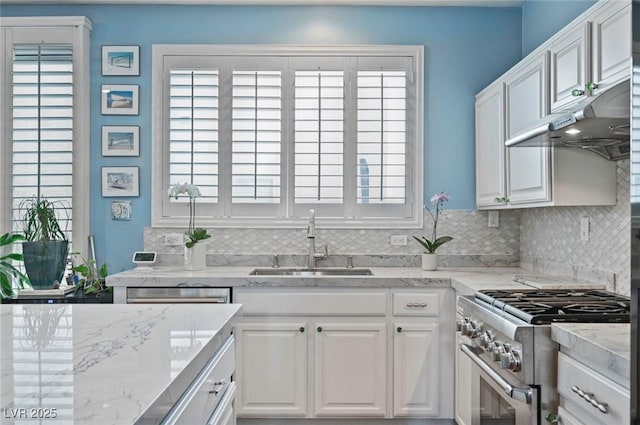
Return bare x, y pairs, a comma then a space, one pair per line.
45, 262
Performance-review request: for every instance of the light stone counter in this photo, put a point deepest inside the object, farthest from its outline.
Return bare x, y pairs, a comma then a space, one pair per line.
606, 346
104, 364
465, 280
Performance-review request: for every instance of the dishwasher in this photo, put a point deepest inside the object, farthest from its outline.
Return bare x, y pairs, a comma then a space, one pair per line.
176, 295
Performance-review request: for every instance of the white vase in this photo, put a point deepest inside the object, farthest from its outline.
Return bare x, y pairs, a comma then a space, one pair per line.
429, 261
195, 258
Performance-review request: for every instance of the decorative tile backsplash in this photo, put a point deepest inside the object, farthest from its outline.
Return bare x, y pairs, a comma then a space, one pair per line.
550, 240
545, 240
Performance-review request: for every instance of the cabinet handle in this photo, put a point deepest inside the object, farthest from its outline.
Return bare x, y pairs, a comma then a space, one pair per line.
416, 305
319, 329
301, 328
217, 387
577, 92
399, 329
591, 86
589, 398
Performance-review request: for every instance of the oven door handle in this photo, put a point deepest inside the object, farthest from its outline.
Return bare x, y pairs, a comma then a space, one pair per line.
524, 395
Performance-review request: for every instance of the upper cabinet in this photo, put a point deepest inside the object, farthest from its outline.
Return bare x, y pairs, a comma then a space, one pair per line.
590, 55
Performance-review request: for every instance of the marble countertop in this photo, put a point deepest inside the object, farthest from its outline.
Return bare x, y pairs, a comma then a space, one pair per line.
104, 364
606, 346
463, 279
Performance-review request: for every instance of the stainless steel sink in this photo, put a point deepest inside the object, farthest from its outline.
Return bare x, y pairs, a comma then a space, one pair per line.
313, 272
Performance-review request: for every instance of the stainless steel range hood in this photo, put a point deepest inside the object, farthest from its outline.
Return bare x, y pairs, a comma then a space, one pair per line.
599, 124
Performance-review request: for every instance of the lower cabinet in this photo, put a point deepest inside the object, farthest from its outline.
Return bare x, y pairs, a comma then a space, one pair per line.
272, 369
366, 358
416, 386
350, 369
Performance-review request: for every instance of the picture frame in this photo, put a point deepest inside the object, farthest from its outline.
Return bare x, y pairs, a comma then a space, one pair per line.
120, 182
120, 99
121, 210
121, 60
120, 140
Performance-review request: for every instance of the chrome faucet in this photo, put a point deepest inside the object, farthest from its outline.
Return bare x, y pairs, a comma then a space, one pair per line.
311, 235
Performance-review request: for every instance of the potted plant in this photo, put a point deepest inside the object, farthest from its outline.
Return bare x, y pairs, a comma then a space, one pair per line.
91, 278
430, 258
45, 248
8, 272
195, 251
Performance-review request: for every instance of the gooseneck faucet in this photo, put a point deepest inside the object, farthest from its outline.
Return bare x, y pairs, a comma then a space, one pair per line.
311, 235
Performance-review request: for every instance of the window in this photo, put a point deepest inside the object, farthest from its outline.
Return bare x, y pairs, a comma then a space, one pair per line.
269, 132
44, 145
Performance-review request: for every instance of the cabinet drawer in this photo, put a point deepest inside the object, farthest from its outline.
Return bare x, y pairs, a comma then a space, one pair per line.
578, 383
312, 303
200, 400
416, 304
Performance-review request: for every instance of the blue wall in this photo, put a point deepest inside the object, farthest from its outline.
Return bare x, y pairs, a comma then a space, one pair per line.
543, 18
465, 49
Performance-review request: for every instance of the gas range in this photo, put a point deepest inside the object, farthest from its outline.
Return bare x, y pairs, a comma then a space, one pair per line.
507, 334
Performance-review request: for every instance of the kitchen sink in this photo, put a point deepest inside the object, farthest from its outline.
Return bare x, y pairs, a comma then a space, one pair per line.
312, 272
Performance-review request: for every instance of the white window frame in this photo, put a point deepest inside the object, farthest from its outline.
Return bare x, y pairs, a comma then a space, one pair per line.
74, 30
414, 188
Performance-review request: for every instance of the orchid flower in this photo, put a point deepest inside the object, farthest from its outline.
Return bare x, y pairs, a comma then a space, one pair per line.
431, 245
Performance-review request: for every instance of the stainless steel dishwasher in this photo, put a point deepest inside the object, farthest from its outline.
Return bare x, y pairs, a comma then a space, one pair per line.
174, 295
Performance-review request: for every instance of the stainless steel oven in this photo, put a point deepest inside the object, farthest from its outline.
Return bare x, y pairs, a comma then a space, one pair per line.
507, 358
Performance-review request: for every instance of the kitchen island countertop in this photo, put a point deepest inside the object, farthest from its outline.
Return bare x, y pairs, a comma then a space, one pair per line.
104, 364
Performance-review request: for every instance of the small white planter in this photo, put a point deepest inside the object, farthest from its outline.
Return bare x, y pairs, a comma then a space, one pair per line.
429, 261
195, 258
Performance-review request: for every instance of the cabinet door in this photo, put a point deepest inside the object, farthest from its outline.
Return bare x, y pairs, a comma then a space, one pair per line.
416, 368
466, 388
272, 369
566, 418
527, 102
225, 413
490, 149
570, 66
611, 44
350, 369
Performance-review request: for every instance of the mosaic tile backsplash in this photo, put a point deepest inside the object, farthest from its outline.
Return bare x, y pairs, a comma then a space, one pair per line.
550, 240
545, 240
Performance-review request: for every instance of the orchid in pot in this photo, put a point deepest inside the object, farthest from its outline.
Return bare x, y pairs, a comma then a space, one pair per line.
195, 252
430, 245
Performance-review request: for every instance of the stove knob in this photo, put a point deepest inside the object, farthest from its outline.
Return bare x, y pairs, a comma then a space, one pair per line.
496, 351
466, 330
459, 325
485, 340
511, 361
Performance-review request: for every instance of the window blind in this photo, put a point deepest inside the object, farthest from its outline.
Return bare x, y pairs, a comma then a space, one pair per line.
319, 136
42, 138
256, 136
381, 137
193, 130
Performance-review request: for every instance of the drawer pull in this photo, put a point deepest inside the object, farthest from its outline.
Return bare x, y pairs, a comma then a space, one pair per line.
589, 398
217, 387
416, 305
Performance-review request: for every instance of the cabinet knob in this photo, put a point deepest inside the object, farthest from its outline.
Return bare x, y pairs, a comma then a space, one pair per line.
591, 86
319, 329
552, 418
301, 328
577, 92
399, 329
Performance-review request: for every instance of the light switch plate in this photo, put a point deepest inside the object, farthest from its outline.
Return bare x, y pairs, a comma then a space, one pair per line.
584, 229
398, 240
173, 239
494, 219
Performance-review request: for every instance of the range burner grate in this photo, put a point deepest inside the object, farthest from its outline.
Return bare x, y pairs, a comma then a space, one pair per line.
559, 305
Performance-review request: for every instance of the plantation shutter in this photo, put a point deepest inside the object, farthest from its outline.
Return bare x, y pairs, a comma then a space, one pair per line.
256, 137
193, 130
42, 138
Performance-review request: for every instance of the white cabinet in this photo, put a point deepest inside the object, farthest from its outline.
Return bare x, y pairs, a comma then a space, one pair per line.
526, 101
272, 369
225, 413
490, 149
592, 55
612, 44
350, 369
416, 386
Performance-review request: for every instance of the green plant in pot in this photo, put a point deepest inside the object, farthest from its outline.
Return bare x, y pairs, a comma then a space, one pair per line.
45, 248
92, 279
8, 272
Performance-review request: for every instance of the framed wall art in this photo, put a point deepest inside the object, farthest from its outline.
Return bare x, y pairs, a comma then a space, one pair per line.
120, 140
120, 181
120, 99
121, 60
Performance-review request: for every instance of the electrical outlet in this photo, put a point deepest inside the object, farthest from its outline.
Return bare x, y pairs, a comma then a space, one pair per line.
584, 229
173, 239
494, 219
398, 240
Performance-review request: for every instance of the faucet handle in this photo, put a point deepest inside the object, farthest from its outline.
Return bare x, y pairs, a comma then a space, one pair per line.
323, 254
276, 262
350, 261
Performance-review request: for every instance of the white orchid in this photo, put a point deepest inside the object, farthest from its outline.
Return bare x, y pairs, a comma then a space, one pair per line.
195, 234
189, 189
